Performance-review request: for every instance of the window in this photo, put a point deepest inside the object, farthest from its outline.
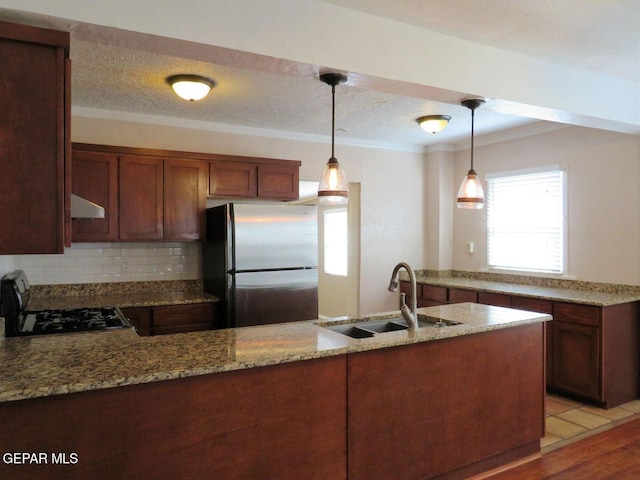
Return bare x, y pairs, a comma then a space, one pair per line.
335, 241
525, 221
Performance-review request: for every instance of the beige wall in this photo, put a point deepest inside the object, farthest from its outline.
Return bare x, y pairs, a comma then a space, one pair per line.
603, 173
392, 208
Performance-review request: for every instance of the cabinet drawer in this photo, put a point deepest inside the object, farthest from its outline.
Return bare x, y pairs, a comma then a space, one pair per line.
575, 313
532, 304
435, 294
182, 315
457, 295
496, 299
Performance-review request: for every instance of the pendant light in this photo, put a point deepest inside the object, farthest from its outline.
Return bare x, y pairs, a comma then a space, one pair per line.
471, 193
333, 188
191, 87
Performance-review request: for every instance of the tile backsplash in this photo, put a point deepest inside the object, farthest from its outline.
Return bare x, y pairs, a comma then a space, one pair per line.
110, 262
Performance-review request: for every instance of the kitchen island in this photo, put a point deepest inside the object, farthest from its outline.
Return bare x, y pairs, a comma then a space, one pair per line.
293, 400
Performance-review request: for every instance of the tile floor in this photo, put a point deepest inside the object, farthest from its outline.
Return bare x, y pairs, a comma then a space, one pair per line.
568, 420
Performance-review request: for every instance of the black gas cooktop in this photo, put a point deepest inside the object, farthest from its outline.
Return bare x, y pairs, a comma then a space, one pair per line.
15, 294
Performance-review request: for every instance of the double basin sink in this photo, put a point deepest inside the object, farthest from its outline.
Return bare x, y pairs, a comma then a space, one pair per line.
371, 328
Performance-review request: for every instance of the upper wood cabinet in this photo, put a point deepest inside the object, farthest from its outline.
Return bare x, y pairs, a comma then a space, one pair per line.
268, 179
231, 179
145, 197
185, 192
141, 193
35, 111
95, 178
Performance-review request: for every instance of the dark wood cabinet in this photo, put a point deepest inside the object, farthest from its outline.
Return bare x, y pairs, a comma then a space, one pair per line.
284, 422
141, 194
496, 299
185, 202
540, 305
458, 295
591, 351
95, 178
469, 405
33, 142
279, 182
161, 320
576, 353
233, 179
268, 179
141, 318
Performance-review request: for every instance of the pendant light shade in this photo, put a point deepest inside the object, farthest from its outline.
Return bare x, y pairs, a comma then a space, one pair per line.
333, 188
433, 123
191, 87
471, 193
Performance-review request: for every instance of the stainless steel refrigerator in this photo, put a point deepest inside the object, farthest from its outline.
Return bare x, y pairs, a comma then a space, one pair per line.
261, 260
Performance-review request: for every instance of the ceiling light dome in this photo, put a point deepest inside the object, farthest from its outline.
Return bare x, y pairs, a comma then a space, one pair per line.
191, 87
433, 123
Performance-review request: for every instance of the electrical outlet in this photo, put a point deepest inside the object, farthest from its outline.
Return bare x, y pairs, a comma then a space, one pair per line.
125, 265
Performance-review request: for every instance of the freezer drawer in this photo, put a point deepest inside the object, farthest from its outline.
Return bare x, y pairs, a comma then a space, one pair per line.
259, 298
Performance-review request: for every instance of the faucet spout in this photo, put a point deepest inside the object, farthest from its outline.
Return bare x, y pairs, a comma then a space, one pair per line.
408, 312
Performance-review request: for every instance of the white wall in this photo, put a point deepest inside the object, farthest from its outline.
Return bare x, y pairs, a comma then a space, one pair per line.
603, 171
391, 197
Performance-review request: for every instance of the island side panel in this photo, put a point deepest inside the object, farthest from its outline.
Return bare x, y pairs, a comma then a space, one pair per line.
285, 421
461, 405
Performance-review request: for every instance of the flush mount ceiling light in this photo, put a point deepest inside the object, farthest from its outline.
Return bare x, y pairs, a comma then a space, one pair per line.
191, 87
433, 123
471, 193
333, 188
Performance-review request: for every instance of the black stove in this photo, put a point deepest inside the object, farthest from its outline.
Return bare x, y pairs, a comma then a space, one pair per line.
19, 320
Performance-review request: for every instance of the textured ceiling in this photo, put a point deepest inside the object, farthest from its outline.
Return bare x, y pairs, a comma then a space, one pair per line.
593, 35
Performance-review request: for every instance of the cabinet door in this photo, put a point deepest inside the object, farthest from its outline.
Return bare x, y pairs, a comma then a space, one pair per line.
95, 178
231, 179
278, 182
141, 198
576, 359
32, 139
185, 199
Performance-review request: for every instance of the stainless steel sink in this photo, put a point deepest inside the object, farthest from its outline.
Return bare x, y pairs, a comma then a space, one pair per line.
371, 328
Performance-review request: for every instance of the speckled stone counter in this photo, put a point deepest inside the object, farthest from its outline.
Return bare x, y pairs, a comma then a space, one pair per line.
123, 294
64, 363
582, 292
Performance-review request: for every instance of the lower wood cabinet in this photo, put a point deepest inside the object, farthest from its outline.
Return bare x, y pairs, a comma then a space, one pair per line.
284, 422
448, 407
591, 351
162, 320
576, 355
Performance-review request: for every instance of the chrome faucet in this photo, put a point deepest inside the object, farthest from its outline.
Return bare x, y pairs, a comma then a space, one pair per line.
409, 313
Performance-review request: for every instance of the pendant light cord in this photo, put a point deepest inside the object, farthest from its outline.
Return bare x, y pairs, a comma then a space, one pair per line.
473, 110
333, 119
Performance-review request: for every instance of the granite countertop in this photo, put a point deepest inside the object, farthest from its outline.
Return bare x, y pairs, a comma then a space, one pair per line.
585, 295
133, 299
45, 365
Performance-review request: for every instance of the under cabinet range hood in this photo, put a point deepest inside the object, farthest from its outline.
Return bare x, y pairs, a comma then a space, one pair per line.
82, 208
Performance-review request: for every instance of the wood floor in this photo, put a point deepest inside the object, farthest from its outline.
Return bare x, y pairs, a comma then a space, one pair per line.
611, 455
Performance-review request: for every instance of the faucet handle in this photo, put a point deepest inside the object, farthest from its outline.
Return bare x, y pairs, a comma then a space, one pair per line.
403, 298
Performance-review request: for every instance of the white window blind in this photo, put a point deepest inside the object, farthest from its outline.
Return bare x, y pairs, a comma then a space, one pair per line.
525, 221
